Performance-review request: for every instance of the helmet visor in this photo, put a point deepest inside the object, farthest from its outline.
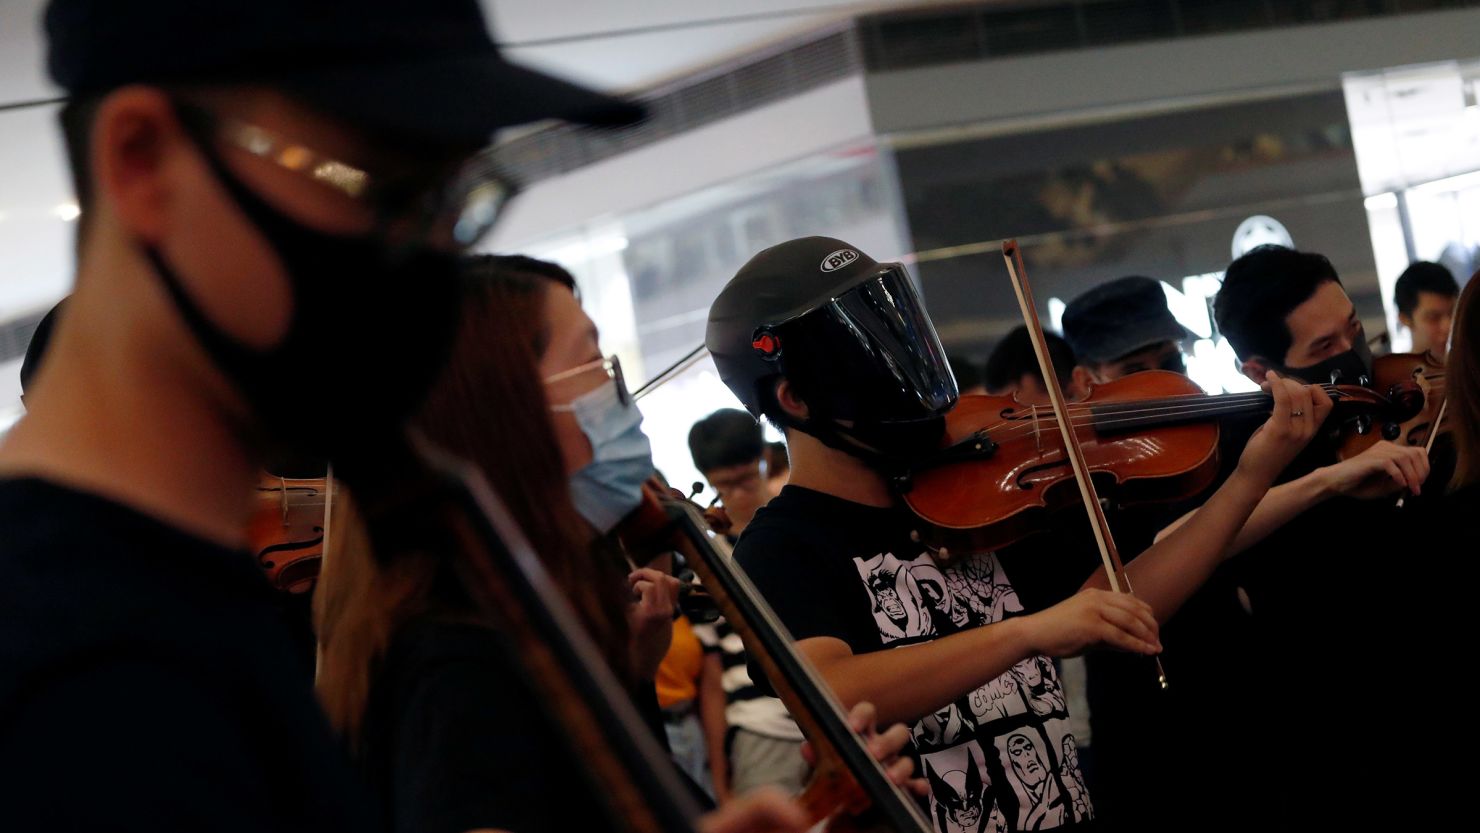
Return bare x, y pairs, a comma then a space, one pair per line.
871, 354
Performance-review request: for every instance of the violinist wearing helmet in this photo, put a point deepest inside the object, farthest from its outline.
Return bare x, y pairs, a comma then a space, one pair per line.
838, 351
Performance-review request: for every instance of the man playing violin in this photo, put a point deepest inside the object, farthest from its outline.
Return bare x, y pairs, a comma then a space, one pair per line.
1286, 312
1141, 736
837, 350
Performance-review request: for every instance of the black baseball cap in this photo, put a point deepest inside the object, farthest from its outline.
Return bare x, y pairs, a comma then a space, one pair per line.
1118, 318
422, 70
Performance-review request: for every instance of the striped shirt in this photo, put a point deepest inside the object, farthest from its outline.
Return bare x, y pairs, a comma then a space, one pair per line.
747, 707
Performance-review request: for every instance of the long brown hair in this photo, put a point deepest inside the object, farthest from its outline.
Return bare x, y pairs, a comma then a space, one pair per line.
1462, 386
488, 407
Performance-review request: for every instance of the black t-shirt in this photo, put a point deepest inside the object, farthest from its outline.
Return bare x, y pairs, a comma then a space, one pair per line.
1273, 667
456, 740
148, 682
1143, 738
997, 758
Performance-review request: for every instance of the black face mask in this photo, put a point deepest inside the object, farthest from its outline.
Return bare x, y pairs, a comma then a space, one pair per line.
1354, 367
369, 330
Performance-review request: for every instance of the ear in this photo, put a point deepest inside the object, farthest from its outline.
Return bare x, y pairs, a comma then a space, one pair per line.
134, 138
1406, 320
1081, 380
1255, 368
786, 397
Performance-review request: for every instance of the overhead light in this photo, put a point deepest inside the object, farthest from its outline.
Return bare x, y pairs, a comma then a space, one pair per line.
67, 212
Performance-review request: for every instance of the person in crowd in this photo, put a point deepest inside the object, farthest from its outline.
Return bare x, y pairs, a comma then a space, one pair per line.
1286, 313
1425, 296
1120, 327
227, 304
762, 740
728, 449
1012, 369
692, 696
968, 375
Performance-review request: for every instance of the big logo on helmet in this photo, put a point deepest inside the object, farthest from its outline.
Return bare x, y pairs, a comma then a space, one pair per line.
837, 260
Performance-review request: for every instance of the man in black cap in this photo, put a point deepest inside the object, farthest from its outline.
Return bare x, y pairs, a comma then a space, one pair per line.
274, 195
837, 350
1121, 327
1140, 735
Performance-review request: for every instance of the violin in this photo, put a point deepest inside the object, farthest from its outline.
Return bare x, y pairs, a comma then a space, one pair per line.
849, 788
1423, 370
287, 531
1153, 436
645, 536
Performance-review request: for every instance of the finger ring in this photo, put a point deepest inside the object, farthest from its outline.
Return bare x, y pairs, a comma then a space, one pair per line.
1297, 413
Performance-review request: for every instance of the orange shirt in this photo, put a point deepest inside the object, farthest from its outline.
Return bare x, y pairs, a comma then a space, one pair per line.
678, 675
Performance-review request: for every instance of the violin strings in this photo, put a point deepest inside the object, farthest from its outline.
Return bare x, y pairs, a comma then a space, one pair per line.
1111, 418
1099, 411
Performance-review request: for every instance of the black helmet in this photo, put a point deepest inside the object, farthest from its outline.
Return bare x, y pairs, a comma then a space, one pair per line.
849, 333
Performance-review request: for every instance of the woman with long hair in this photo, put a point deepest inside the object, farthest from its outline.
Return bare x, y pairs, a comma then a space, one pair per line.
449, 738
1462, 392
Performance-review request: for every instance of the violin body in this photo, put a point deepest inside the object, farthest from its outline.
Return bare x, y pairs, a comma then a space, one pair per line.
287, 531
1150, 437
989, 503
1424, 371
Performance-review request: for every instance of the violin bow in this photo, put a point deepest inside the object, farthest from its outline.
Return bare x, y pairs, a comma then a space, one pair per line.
671, 372
1428, 446
1109, 554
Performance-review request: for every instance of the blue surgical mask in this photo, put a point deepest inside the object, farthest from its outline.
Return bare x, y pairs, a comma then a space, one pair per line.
608, 488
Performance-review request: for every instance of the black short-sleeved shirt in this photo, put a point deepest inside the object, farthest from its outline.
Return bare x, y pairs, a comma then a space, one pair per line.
1143, 737
997, 758
148, 682
1275, 659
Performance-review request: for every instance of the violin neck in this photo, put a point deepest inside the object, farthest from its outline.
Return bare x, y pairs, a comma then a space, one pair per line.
1133, 415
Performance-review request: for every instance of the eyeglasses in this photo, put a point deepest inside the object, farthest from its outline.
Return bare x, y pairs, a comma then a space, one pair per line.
462, 206
611, 365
